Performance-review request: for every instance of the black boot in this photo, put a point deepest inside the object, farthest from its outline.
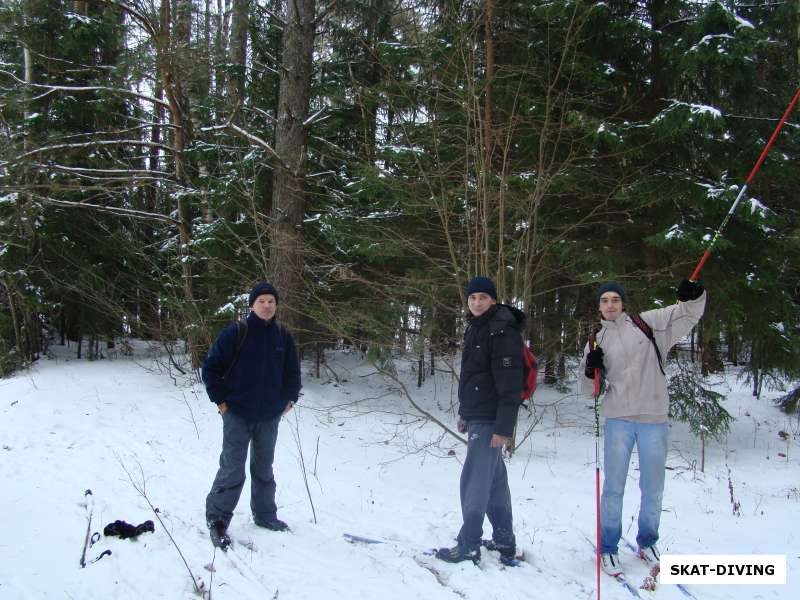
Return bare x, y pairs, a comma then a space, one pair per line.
219, 535
272, 524
507, 551
457, 554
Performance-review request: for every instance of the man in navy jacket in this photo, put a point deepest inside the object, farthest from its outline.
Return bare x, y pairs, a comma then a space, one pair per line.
252, 374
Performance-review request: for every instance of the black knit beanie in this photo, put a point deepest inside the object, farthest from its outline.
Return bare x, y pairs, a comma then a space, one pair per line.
612, 286
481, 284
262, 288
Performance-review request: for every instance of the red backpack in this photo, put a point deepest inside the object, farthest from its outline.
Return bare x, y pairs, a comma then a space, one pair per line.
530, 373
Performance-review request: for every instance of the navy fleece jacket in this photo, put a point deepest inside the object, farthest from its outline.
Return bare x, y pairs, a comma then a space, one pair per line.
265, 377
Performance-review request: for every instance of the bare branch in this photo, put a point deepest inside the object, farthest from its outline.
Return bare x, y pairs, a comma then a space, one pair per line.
92, 143
141, 487
80, 170
257, 141
86, 88
115, 210
313, 118
394, 377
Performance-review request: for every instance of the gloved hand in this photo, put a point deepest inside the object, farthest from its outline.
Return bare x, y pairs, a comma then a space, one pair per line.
594, 360
689, 290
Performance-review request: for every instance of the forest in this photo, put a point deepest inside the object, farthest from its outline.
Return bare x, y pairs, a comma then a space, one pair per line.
159, 157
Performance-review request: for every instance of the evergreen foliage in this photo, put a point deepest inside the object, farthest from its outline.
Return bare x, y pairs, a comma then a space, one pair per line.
695, 404
557, 146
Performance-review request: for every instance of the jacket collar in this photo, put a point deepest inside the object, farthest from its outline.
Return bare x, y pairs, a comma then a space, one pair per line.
484, 318
255, 321
616, 322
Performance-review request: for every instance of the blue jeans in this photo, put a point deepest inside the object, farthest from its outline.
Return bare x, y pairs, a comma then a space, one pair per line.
237, 435
484, 491
651, 444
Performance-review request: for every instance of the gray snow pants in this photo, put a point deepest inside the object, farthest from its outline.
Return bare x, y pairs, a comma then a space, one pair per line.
237, 435
484, 491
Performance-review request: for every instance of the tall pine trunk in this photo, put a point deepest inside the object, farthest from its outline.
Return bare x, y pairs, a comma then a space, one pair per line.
288, 194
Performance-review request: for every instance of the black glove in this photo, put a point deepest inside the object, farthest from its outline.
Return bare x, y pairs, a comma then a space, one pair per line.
125, 530
689, 290
594, 360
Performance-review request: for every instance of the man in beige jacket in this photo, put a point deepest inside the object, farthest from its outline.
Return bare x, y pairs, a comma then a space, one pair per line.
635, 407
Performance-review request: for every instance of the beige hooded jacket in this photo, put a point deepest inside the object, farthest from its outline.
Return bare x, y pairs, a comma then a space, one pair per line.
635, 388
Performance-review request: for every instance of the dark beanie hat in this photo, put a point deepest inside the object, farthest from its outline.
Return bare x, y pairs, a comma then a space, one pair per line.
262, 288
481, 284
612, 286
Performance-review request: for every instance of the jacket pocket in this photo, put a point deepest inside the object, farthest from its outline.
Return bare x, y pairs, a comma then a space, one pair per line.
478, 391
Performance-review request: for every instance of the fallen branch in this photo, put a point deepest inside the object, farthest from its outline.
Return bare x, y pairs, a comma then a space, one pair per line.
391, 374
140, 487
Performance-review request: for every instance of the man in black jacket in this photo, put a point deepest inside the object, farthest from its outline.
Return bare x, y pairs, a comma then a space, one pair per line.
252, 374
489, 398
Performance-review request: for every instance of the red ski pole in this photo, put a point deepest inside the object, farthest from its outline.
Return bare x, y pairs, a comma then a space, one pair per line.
760, 160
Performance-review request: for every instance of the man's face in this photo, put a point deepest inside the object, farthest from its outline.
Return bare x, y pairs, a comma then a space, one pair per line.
265, 306
479, 302
611, 306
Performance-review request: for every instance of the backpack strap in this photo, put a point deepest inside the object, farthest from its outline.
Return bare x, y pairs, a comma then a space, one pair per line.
241, 334
648, 332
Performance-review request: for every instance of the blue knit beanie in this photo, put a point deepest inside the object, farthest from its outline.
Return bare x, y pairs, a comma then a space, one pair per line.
481, 284
262, 288
612, 286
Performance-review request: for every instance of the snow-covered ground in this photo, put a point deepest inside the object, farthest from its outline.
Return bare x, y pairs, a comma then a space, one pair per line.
374, 468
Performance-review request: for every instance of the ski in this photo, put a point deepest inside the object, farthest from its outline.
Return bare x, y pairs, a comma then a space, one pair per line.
652, 565
360, 539
619, 578
427, 552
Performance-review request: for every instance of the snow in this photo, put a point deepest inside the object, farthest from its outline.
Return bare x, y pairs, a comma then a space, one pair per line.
707, 39
375, 468
674, 232
225, 309
694, 109
79, 18
757, 207
401, 149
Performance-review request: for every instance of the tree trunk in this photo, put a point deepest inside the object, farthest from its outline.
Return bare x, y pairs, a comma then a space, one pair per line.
288, 194
710, 357
488, 97
238, 51
220, 45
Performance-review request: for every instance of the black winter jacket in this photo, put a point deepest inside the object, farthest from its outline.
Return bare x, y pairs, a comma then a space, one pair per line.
491, 368
265, 377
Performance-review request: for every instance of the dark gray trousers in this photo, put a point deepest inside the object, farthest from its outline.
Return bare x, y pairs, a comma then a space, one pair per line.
484, 491
237, 435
